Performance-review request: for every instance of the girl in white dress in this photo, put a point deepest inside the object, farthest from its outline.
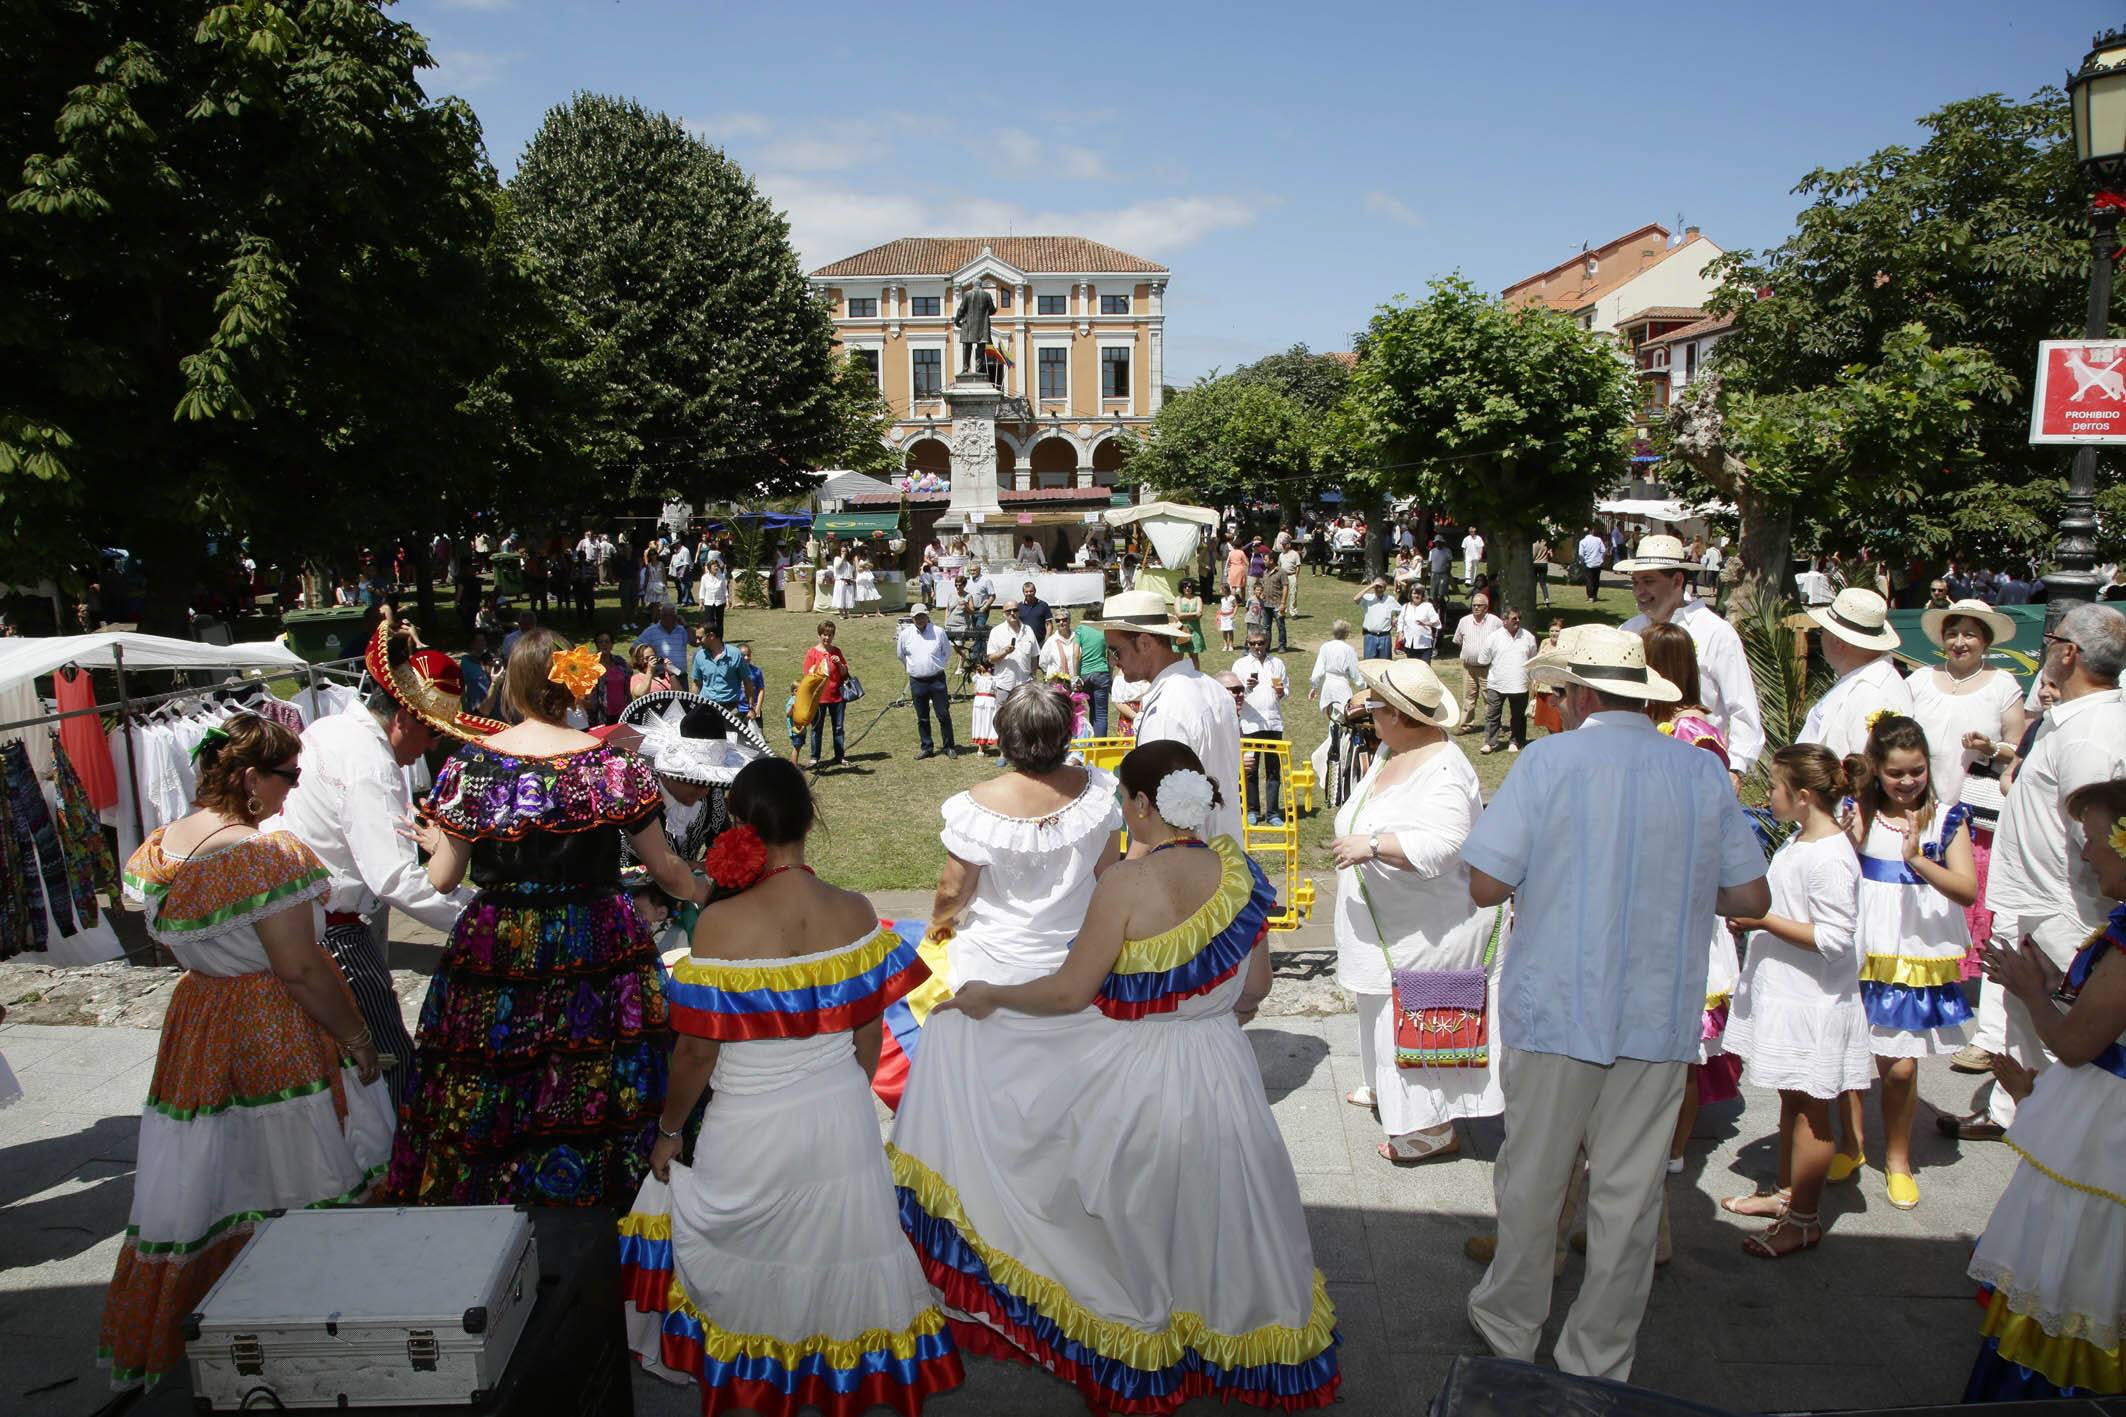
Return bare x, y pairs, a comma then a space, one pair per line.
866, 583
982, 729
844, 585
1797, 1020
2054, 1253
1111, 1201
773, 1271
1916, 878
1228, 607
653, 574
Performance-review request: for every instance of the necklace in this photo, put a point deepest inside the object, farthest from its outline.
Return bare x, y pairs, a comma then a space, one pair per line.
1961, 683
1178, 841
796, 866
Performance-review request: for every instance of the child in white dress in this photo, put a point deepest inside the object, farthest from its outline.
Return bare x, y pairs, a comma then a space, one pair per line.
1797, 1018
983, 730
1227, 608
866, 583
1916, 877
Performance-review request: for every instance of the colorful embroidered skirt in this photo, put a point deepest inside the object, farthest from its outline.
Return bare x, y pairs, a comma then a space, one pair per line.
250, 1110
538, 1069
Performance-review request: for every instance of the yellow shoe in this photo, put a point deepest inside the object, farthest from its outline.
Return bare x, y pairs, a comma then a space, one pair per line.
1904, 1191
1844, 1168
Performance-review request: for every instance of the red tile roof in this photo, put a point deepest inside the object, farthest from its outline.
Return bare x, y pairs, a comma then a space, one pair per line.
1711, 324
1662, 312
942, 255
1091, 496
1616, 262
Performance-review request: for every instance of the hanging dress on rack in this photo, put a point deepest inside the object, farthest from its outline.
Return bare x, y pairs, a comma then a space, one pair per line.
82, 737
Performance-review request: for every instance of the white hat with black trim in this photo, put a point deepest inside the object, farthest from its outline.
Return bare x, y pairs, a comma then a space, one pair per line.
1858, 616
1606, 658
1142, 612
1659, 553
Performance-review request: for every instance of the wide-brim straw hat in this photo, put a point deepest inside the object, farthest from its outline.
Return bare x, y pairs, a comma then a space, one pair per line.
1999, 628
1659, 553
1410, 688
1858, 616
1140, 612
1604, 658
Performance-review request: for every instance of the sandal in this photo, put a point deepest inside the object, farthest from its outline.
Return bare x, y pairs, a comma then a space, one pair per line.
1413, 1147
1361, 1097
1804, 1223
1758, 1204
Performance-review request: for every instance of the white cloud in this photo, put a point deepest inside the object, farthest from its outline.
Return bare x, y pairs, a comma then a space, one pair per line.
463, 71
726, 126
1393, 208
1015, 148
1083, 164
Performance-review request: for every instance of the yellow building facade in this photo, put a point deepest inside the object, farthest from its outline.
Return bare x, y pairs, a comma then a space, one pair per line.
1080, 325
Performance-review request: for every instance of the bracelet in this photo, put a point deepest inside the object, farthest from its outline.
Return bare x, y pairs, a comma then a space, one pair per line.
364, 1039
668, 1136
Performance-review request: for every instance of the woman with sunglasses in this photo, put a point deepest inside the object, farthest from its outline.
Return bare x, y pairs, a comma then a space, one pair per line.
266, 1094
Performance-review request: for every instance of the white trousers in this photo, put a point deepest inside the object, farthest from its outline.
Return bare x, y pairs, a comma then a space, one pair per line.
1992, 1032
1624, 1114
2058, 937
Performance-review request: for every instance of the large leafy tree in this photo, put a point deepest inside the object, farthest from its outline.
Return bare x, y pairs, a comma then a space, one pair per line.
1513, 420
254, 290
1832, 414
1268, 430
724, 367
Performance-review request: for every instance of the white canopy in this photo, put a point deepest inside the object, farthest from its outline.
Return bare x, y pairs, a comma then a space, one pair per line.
1662, 509
27, 657
1174, 528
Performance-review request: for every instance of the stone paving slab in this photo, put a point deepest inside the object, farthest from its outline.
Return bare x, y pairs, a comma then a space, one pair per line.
1880, 1315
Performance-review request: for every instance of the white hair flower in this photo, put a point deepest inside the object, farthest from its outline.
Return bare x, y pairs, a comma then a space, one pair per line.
1184, 798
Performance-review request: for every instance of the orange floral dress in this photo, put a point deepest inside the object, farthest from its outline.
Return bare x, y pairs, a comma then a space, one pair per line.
251, 1108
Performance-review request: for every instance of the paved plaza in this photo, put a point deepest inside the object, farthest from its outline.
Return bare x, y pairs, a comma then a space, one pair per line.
1881, 1315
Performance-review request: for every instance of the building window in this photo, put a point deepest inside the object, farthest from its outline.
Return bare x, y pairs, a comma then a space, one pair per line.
863, 309
1114, 373
1049, 305
1003, 297
926, 304
869, 359
1114, 304
1690, 361
929, 372
1055, 373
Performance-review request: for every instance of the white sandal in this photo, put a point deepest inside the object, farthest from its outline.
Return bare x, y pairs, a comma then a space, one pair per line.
1422, 1145
1362, 1097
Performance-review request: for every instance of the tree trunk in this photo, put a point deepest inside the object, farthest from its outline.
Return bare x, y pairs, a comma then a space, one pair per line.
1764, 554
424, 585
1510, 553
1377, 536
172, 571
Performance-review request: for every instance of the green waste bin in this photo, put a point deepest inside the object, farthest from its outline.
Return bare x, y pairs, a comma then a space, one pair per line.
509, 572
321, 636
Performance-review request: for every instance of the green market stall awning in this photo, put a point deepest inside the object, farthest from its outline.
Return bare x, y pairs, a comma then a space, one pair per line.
2019, 655
857, 523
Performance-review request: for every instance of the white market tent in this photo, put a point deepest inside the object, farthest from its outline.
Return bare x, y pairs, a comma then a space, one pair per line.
1174, 529
26, 657
1661, 509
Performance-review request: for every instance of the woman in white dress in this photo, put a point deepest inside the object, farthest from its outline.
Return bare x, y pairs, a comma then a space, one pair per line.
2054, 1253
712, 592
773, 1271
1109, 1199
844, 583
653, 557
1399, 870
1059, 652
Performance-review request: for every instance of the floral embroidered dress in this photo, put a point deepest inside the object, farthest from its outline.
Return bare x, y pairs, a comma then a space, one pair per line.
251, 1108
1109, 1199
773, 1272
538, 1074
2053, 1256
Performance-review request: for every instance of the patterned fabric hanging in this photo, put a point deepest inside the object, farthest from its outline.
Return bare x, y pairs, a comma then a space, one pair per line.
91, 865
37, 842
16, 934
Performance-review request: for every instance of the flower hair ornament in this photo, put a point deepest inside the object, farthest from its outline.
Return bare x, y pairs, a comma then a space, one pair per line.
736, 858
1878, 716
576, 670
2118, 837
1184, 798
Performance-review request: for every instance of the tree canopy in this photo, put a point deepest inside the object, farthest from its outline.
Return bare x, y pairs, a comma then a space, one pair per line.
1272, 430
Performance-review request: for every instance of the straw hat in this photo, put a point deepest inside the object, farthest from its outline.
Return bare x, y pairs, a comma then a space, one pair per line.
1999, 628
1859, 617
1142, 612
1410, 688
1659, 553
1605, 658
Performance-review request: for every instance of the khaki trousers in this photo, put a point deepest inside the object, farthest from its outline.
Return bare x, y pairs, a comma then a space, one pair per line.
1624, 1115
1479, 675
2058, 938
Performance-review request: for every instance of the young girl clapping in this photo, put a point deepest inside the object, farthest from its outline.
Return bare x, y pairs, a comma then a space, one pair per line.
1797, 1019
1916, 877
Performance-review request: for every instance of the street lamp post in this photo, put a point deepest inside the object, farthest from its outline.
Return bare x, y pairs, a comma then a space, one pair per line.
2097, 97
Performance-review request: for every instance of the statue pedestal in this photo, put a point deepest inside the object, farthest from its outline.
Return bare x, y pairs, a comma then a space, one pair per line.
975, 511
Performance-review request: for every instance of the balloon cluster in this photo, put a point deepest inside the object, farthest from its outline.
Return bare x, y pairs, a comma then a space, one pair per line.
923, 482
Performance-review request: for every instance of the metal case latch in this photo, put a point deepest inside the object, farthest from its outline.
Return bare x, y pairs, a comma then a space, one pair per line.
421, 1350
244, 1352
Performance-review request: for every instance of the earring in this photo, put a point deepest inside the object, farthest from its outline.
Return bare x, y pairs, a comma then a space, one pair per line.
253, 808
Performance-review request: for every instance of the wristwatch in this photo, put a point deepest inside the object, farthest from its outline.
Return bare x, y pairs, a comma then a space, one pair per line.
1373, 844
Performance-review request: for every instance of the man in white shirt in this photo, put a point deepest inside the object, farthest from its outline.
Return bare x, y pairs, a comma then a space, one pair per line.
1377, 612
1814, 587
1602, 994
1857, 641
681, 569
1147, 645
1473, 634
1262, 676
2043, 895
1506, 683
1472, 552
1590, 553
1420, 625
1011, 652
1031, 555
925, 651
1660, 579
348, 806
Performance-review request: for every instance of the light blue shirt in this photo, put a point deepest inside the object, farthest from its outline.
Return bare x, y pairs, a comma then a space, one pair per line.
1616, 839
671, 644
721, 676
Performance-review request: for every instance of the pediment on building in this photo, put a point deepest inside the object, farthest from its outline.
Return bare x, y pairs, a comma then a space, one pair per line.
991, 267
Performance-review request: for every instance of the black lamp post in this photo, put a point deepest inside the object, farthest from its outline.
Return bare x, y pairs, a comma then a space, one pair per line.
2097, 95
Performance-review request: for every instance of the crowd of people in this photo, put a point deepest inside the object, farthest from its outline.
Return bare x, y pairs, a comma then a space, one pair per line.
1082, 1067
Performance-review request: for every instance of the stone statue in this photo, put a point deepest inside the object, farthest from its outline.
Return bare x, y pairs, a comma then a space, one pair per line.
970, 318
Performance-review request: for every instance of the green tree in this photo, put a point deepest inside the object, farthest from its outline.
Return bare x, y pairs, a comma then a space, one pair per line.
252, 287
1507, 419
724, 370
1316, 382
1225, 440
1977, 238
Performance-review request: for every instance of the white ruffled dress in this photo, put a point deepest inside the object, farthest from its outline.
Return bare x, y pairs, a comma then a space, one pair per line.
1796, 1020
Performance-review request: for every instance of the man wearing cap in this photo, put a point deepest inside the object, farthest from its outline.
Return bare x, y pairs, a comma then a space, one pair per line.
1660, 580
1601, 997
924, 650
1146, 643
349, 808
1857, 640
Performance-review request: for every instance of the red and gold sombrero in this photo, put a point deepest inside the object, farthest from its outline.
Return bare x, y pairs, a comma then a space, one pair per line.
425, 682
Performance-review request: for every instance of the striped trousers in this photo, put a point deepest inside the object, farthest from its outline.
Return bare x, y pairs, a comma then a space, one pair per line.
360, 957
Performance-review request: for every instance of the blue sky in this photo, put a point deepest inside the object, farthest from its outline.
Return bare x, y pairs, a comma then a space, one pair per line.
1294, 165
